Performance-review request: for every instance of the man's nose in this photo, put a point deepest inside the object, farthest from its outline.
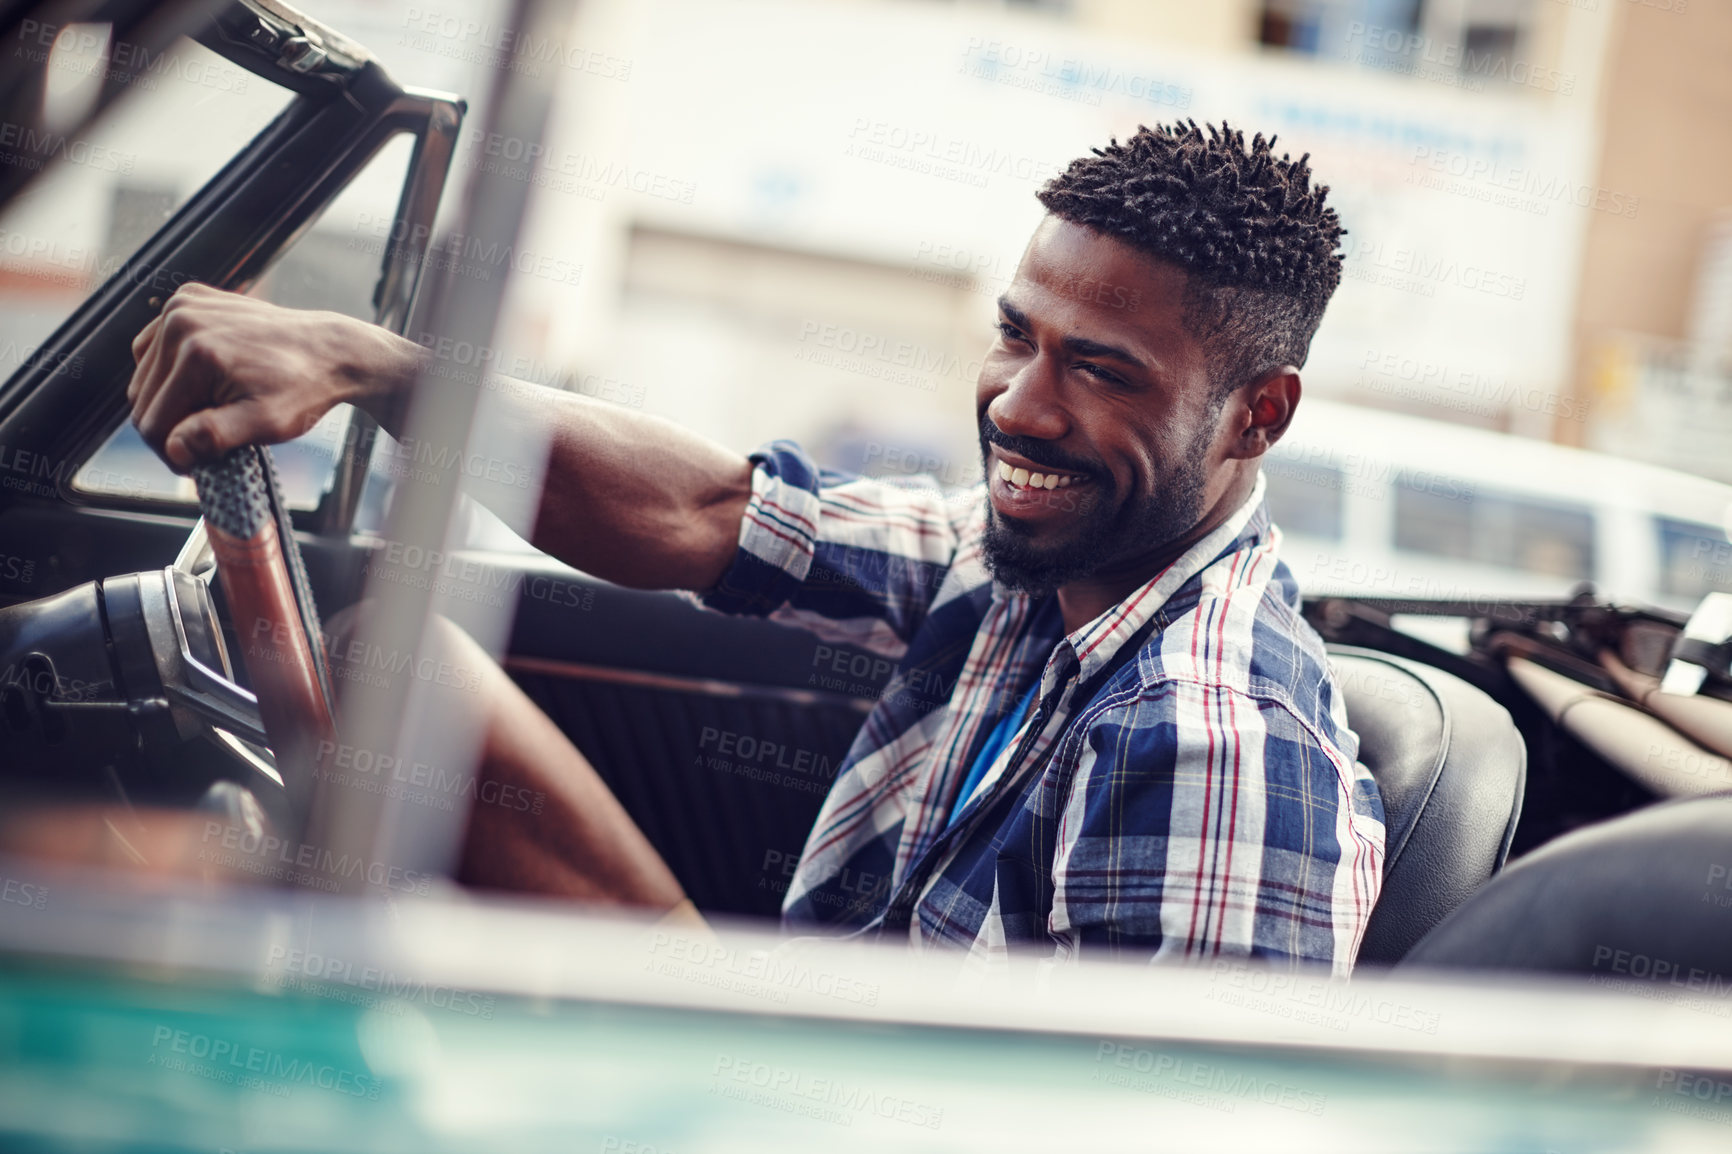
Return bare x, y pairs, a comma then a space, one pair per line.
1030, 405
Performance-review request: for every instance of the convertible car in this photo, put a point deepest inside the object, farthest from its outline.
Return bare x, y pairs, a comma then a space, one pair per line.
1550, 960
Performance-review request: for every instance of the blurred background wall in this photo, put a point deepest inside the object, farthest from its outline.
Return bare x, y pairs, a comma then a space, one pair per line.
1653, 322
791, 218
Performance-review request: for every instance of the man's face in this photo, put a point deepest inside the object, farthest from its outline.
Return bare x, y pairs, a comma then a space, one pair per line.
1096, 378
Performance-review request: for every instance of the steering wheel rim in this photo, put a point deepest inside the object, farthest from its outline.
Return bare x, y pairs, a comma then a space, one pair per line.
272, 610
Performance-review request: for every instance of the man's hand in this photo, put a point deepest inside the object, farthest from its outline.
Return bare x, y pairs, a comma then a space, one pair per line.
217, 370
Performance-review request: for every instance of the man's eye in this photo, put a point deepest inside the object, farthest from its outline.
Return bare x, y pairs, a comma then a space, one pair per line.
1099, 373
1009, 331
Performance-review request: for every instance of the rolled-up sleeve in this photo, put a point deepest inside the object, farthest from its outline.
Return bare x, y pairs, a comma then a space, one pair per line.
855, 560
1203, 822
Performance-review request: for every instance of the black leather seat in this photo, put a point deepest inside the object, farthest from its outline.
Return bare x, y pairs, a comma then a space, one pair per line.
1451, 767
1646, 897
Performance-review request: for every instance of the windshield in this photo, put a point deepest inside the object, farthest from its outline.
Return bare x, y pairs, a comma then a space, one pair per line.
122, 178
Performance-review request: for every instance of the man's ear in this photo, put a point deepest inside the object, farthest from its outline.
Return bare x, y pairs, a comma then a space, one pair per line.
1259, 412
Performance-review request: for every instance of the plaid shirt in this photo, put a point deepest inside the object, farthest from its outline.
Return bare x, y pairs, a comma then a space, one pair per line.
1186, 786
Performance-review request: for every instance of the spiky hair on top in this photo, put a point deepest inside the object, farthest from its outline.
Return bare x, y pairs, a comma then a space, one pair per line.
1255, 237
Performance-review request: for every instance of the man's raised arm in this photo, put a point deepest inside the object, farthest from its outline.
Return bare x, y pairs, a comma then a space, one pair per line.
630, 498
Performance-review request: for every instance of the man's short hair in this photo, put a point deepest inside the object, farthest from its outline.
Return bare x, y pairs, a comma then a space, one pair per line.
1255, 238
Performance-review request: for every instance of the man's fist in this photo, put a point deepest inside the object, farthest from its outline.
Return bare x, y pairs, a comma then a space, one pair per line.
217, 370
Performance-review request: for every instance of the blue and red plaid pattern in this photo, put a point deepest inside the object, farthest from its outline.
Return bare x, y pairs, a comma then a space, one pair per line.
1186, 787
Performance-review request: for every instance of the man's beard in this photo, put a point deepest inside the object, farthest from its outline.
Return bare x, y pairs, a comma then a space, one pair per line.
1101, 534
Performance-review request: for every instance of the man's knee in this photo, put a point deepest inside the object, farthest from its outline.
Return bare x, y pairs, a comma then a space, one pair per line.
443, 656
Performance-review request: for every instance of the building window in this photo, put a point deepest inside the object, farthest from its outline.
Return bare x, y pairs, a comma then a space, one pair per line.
1448, 519
1476, 45
1695, 560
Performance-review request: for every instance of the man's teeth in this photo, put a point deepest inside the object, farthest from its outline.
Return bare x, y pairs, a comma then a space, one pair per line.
1023, 479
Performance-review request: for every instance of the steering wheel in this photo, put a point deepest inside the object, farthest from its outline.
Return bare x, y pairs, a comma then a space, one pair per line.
271, 607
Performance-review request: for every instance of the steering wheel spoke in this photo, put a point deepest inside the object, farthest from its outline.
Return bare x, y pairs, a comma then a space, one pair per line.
246, 532
196, 558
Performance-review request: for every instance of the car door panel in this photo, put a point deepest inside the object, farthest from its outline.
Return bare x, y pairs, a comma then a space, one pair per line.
717, 733
725, 785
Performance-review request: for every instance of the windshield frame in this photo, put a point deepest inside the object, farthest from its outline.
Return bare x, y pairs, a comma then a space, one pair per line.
345, 109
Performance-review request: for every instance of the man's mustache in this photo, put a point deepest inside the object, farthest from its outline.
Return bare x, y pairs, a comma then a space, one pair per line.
1040, 452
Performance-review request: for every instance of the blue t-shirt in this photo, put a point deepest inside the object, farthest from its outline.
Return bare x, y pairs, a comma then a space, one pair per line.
995, 743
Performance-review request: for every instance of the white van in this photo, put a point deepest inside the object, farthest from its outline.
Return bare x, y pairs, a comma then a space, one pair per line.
1376, 504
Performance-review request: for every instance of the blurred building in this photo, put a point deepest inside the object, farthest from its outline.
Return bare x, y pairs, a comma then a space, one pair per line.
1651, 334
1653, 325
855, 183
783, 218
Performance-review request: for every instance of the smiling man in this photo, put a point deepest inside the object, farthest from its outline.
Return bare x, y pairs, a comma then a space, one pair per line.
1110, 731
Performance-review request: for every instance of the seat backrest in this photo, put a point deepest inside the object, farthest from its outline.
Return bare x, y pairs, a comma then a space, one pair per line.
1640, 899
1451, 768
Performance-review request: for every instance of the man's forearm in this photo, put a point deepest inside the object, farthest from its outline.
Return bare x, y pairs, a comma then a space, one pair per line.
630, 498
635, 499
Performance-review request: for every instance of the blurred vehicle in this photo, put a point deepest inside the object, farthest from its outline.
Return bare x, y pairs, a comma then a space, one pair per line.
1580, 740
1384, 505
